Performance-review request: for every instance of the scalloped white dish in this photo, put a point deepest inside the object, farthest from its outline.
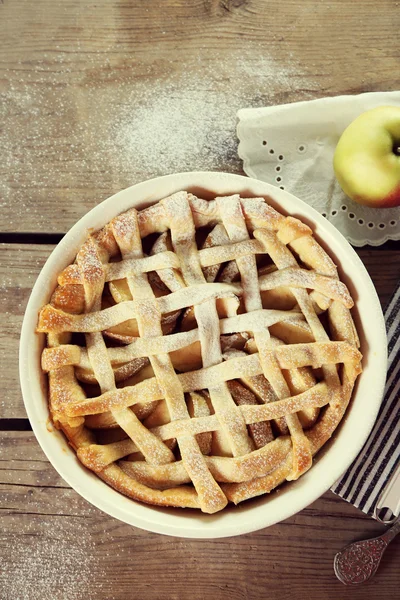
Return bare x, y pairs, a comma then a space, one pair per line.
330, 462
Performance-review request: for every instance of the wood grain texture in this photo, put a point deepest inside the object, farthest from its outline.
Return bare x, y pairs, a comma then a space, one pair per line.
62, 547
21, 264
19, 267
95, 97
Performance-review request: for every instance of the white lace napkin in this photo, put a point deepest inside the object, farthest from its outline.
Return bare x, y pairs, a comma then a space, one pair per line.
292, 147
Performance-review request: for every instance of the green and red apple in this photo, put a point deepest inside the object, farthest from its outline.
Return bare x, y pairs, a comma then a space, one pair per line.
367, 158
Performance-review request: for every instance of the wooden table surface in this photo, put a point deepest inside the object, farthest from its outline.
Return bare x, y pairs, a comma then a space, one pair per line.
96, 96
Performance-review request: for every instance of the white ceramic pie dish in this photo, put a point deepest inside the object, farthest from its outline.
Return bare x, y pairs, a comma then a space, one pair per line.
332, 460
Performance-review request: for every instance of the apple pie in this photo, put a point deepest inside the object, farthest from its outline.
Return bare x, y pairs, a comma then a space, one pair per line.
199, 352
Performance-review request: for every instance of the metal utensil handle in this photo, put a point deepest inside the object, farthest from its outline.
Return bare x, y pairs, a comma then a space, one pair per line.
390, 498
359, 561
392, 532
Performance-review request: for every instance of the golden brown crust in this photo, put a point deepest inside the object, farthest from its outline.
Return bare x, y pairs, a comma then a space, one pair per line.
199, 365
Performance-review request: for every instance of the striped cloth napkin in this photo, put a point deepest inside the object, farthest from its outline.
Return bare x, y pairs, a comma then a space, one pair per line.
365, 479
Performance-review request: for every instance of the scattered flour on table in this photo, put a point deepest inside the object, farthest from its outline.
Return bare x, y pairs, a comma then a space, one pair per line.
75, 128
55, 564
188, 121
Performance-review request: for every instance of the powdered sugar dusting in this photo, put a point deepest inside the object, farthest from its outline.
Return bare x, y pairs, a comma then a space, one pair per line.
187, 122
91, 125
50, 563
236, 410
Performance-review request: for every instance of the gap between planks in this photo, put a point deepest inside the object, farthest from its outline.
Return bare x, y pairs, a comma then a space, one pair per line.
30, 237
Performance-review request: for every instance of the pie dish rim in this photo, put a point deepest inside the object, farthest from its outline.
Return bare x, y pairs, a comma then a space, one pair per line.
330, 462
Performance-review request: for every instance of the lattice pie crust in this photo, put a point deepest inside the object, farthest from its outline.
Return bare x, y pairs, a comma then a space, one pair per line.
199, 352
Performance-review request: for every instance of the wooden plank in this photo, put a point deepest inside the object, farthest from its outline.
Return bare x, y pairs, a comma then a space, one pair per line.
383, 267
64, 548
97, 97
19, 268
21, 265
